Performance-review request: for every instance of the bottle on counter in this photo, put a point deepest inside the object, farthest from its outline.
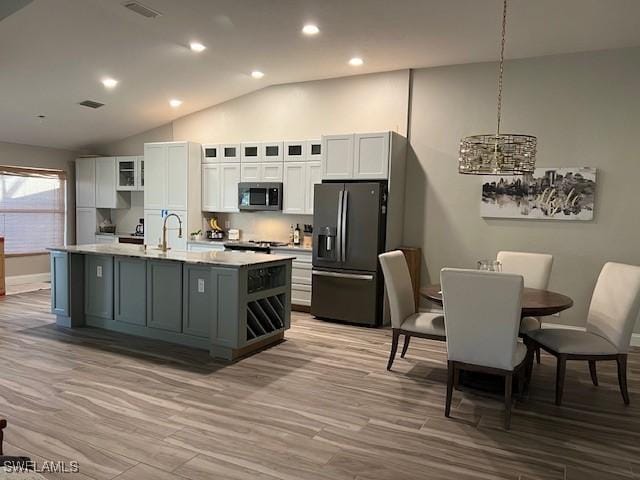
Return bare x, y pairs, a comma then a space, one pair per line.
291, 234
296, 235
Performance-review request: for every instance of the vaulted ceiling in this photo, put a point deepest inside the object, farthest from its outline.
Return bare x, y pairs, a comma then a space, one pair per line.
54, 53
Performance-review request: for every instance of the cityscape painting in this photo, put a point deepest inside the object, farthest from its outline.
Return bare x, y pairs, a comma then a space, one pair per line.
549, 194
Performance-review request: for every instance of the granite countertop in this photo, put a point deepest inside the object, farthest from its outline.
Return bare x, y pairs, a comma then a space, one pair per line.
223, 258
221, 242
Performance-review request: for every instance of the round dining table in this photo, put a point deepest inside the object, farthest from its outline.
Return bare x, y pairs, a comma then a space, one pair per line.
535, 302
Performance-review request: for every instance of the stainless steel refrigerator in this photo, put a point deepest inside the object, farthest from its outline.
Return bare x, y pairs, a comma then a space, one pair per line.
349, 224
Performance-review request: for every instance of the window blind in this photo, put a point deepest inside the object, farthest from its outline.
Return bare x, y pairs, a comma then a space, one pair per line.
32, 208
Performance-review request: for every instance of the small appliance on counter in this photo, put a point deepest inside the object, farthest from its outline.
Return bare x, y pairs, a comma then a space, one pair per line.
234, 234
140, 228
216, 233
107, 227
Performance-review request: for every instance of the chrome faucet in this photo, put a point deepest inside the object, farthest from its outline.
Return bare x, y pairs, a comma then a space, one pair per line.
163, 246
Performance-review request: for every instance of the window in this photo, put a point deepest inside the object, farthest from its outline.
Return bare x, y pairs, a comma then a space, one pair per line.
33, 209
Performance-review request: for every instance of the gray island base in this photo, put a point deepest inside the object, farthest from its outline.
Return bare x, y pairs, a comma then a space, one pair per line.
230, 303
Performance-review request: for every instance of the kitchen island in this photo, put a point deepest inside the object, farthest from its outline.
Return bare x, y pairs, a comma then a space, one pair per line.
230, 303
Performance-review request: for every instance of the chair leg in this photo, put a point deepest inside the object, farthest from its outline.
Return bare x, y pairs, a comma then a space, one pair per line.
622, 377
592, 371
3, 424
560, 374
406, 345
451, 370
508, 389
538, 355
394, 347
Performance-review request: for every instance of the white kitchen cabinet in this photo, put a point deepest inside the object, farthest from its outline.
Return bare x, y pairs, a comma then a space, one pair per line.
211, 153
173, 184
262, 172
300, 275
313, 150
86, 182
205, 247
271, 172
362, 156
312, 178
140, 173
155, 159
127, 173
371, 156
86, 225
177, 171
294, 188
210, 187
295, 151
153, 221
230, 153
271, 151
251, 152
107, 196
250, 172
229, 179
220, 187
337, 160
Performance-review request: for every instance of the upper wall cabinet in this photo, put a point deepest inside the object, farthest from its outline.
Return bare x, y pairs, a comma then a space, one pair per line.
130, 173
362, 156
107, 195
211, 153
229, 153
299, 181
271, 151
314, 150
220, 187
295, 151
250, 152
86, 182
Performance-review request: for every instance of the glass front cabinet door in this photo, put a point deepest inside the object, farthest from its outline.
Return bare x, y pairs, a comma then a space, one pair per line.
127, 173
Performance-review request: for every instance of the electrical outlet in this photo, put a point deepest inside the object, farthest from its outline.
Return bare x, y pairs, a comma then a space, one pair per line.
99, 271
200, 285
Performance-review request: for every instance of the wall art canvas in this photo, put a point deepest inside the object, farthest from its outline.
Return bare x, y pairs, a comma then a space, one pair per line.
549, 194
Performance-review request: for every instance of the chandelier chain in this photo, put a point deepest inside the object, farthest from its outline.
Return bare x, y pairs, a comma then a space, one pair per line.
504, 32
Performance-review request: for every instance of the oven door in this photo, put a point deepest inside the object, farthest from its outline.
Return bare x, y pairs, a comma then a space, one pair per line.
260, 196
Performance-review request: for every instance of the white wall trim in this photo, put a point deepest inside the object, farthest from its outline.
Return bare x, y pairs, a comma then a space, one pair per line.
32, 278
635, 337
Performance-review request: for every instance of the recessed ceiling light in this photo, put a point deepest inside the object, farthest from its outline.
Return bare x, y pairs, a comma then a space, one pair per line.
356, 62
257, 74
109, 82
310, 29
197, 47
175, 103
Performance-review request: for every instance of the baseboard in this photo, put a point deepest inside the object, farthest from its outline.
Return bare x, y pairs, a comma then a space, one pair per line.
635, 337
32, 278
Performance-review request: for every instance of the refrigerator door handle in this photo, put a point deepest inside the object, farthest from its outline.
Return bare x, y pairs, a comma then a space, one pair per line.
351, 276
343, 237
339, 228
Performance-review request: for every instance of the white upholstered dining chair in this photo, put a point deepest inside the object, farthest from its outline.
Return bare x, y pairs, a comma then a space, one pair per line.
614, 310
405, 320
482, 321
535, 268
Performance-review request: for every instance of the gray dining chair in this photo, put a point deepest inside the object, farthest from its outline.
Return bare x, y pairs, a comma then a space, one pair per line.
614, 310
405, 320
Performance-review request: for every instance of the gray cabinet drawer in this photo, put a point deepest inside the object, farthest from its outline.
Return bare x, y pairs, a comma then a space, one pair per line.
164, 295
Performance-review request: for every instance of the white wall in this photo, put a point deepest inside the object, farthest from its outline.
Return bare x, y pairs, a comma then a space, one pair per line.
31, 156
584, 109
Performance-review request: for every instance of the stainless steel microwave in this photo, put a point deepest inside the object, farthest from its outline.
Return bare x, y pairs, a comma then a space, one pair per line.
260, 196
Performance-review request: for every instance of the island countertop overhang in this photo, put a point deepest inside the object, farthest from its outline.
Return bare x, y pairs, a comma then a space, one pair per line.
215, 258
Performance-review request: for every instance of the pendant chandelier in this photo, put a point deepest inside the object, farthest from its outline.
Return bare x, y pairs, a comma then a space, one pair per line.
499, 153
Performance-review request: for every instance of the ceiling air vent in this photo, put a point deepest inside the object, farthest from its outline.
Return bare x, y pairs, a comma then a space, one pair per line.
141, 9
91, 104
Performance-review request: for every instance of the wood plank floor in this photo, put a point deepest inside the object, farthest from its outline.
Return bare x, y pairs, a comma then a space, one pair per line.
318, 406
